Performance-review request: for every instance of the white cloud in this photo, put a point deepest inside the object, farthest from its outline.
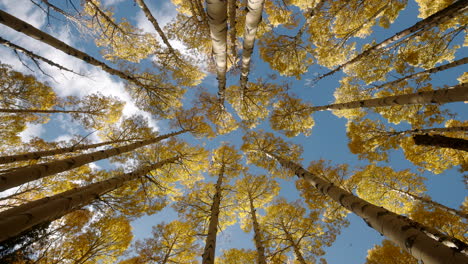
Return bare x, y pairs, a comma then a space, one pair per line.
94, 166
24, 10
63, 137
111, 2
32, 130
64, 83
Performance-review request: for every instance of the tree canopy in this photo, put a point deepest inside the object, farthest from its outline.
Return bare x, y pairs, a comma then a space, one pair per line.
223, 131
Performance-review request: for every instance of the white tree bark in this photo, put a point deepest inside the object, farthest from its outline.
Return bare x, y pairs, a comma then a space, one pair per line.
407, 234
21, 218
35, 172
457, 93
217, 19
45, 153
252, 19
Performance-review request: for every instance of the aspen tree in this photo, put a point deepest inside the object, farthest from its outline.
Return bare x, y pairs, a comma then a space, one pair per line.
443, 15
21, 218
372, 140
34, 172
225, 164
44, 153
441, 141
457, 93
217, 19
254, 192
288, 227
232, 12
252, 19
401, 230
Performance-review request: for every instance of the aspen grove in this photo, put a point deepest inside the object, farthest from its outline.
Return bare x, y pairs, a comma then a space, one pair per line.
224, 131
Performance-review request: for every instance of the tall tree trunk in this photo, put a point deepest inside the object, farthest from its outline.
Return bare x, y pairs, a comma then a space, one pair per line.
44, 111
45, 153
156, 26
232, 9
33, 56
441, 142
293, 244
457, 93
252, 19
23, 217
429, 71
429, 130
208, 255
458, 7
217, 19
258, 238
406, 233
35, 172
25, 28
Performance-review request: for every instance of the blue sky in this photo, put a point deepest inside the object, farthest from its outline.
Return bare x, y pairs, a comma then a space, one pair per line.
328, 140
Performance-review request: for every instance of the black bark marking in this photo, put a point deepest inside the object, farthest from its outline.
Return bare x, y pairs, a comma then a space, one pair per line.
364, 207
322, 190
367, 222
353, 204
409, 242
380, 214
406, 227
342, 196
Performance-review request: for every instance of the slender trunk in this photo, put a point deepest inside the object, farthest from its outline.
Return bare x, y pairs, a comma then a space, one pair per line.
21, 218
429, 130
39, 154
406, 233
456, 8
156, 26
441, 142
457, 93
309, 17
429, 71
35, 172
232, 9
45, 111
34, 56
27, 29
297, 251
168, 253
257, 234
430, 202
217, 19
208, 256
252, 19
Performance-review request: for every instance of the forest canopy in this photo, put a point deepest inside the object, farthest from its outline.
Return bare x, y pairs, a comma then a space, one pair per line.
223, 131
